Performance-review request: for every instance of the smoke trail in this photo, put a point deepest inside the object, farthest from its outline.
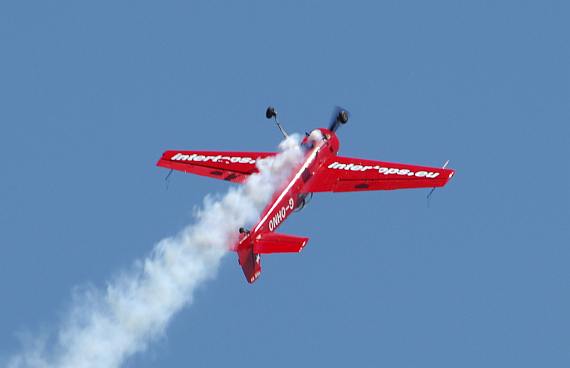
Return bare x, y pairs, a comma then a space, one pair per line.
104, 327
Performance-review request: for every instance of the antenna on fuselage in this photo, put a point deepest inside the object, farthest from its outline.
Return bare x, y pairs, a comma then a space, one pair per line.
271, 113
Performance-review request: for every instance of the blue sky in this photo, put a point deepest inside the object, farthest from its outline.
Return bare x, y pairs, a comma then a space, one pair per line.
92, 94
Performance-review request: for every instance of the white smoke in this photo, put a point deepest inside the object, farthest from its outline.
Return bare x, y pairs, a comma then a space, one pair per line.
104, 327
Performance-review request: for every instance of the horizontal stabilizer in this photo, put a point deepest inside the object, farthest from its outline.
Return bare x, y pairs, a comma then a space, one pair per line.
268, 242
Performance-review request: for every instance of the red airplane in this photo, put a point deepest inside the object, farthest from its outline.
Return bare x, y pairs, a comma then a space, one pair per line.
321, 171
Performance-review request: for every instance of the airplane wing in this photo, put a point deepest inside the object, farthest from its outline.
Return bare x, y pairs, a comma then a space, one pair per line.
345, 174
231, 166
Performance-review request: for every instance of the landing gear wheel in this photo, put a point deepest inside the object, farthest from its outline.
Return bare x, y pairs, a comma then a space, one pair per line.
343, 117
270, 112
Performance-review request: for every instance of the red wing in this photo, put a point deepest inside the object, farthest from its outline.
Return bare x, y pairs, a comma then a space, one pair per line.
231, 166
344, 174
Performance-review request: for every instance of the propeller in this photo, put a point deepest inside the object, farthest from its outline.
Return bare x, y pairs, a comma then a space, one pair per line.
340, 116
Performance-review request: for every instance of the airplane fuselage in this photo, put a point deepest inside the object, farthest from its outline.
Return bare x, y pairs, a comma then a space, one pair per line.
286, 199
319, 170
318, 145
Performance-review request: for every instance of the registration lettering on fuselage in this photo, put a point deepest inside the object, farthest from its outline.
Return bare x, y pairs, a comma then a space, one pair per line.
281, 214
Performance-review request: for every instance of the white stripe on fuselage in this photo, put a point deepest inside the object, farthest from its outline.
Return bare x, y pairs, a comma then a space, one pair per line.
309, 160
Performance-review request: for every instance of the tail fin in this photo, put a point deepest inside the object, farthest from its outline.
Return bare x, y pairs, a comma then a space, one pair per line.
250, 250
249, 262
